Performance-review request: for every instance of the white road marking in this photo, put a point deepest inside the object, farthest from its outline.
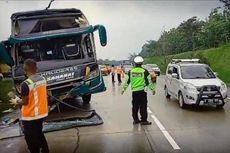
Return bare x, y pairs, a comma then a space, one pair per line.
228, 98
149, 111
9, 145
164, 131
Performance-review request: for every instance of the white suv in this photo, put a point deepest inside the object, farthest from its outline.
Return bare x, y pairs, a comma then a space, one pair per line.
193, 83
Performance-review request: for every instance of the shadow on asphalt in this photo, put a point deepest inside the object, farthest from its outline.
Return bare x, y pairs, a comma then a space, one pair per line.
204, 109
196, 108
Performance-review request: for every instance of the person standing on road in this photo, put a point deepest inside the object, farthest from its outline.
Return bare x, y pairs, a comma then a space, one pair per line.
119, 71
34, 108
140, 79
113, 70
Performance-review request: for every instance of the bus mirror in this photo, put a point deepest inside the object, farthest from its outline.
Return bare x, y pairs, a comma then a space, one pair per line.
102, 34
5, 54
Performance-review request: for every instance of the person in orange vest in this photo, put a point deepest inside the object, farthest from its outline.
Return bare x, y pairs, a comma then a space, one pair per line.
34, 108
120, 74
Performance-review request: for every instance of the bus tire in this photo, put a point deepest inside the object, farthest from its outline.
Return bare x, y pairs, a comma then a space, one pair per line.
86, 98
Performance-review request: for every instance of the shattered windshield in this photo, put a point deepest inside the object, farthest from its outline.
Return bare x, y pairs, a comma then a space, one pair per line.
42, 25
68, 48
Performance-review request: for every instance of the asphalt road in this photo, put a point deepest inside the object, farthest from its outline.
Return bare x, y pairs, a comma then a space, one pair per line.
174, 130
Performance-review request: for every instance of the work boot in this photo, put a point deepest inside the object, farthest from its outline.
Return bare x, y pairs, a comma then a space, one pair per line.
145, 123
136, 122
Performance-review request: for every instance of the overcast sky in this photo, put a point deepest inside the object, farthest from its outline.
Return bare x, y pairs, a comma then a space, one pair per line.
129, 24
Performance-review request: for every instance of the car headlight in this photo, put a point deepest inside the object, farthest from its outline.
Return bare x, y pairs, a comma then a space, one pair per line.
223, 87
190, 88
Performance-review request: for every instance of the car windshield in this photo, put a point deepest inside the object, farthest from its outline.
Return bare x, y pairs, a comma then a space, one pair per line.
46, 24
102, 66
153, 66
196, 72
149, 69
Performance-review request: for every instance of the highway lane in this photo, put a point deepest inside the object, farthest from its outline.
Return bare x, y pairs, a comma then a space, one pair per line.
202, 129
194, 130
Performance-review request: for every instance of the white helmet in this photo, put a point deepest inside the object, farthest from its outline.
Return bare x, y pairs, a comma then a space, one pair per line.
138, 60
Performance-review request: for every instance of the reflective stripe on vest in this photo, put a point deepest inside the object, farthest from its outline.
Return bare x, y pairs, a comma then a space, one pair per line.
137, 78
37, 106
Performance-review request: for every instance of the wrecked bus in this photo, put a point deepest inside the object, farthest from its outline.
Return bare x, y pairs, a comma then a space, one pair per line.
62, 43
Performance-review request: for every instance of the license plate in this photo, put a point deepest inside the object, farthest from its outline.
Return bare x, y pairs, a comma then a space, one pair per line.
216, 101
209, 101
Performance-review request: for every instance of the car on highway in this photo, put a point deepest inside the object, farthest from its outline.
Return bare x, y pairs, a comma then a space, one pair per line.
127, 68
194, 83
152, 72
154, 67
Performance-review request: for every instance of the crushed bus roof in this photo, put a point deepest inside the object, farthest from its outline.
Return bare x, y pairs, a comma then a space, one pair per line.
51, 35
49, 12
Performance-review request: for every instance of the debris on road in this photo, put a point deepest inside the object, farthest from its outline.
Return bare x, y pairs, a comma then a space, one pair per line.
8, 110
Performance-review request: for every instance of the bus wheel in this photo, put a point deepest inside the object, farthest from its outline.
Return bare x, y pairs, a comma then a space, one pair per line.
86, 98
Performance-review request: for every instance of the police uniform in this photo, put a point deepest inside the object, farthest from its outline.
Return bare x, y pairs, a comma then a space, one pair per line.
34, 112
139, 78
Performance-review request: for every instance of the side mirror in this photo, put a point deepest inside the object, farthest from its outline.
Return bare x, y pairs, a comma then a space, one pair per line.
102, 34
5, 55
169, 71
216, 74
175, 75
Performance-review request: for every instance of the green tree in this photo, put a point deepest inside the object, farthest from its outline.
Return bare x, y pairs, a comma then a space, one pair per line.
215, 29
193, 34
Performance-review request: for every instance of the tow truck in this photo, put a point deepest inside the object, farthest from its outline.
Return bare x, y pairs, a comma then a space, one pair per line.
62, 43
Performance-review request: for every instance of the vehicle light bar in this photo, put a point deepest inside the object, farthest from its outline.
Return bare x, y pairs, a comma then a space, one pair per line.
185, 60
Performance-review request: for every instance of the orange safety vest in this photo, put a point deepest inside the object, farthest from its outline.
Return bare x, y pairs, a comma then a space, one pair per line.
37, 106
119, 70
113, 70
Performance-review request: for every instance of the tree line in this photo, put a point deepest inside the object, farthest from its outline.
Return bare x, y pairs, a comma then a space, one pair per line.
193, 34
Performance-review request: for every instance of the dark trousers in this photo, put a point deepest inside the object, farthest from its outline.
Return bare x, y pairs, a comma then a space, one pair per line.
34, 136
113, 77
139, 102
119, 78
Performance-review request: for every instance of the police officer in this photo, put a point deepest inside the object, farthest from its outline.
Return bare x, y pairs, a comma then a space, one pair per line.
140, 79
34, 108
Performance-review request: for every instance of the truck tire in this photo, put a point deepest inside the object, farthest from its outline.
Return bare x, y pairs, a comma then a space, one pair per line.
181, 101
86, 98
167, 95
